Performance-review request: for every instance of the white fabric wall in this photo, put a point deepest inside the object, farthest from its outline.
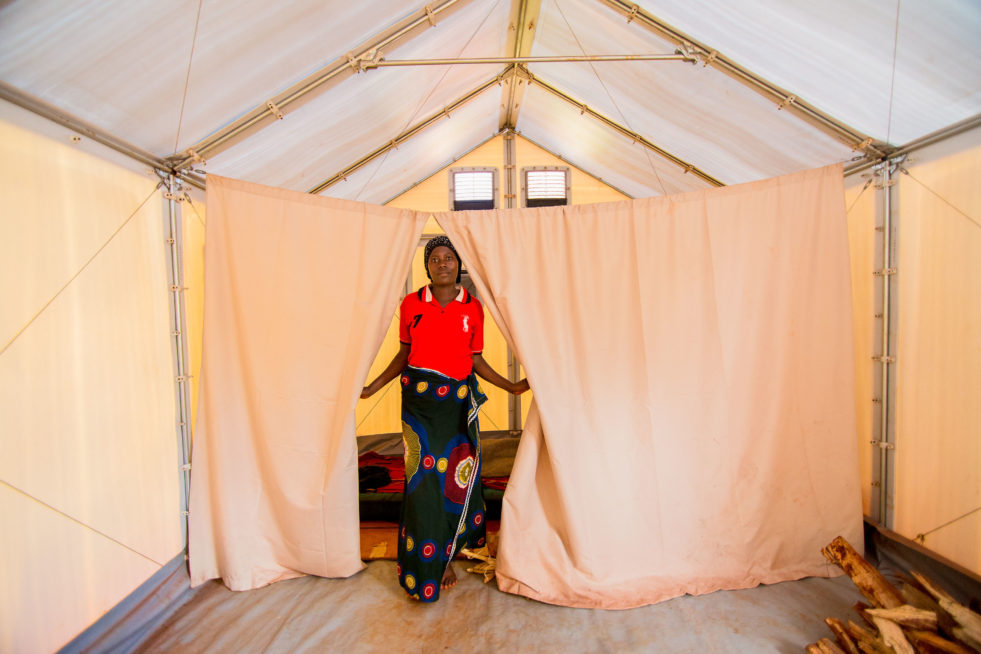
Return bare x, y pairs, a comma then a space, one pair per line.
89, 493
938, 353
860, 202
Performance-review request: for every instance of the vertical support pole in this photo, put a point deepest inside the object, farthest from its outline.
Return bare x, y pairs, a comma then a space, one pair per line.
182, 391
883, 421
510, 202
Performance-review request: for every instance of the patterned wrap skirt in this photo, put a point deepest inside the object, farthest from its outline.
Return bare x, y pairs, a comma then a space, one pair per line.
442, 505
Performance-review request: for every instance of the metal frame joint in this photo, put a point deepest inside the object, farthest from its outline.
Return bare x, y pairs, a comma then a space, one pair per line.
275, 110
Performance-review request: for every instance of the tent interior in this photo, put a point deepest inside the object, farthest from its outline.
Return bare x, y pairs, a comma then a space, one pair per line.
115, 114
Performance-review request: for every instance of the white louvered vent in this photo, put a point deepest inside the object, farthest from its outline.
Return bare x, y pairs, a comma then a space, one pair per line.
473, 186
546, 184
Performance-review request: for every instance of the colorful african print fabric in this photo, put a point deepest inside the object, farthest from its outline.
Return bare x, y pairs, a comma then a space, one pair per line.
442, 506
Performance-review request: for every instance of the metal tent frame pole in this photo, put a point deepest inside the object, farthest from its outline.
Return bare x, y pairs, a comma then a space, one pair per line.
783, 98
886, 301
609, 122
175, 241
61, 117
510, 202
522, 28
933, 137
460, 61
407, 134
306, 89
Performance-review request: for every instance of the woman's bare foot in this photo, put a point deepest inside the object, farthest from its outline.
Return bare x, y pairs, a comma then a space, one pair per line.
449, 578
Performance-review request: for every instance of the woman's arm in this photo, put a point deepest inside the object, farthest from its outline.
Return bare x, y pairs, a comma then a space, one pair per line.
483, 369
392, 371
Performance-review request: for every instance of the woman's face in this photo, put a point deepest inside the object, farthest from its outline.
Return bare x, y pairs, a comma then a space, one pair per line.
442, 265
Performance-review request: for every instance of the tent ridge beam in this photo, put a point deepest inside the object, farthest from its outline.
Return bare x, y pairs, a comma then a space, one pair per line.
835, 128
409, 133
522, 26
629, 133
345, 66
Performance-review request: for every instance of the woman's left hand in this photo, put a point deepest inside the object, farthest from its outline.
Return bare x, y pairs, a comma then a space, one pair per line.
520, 387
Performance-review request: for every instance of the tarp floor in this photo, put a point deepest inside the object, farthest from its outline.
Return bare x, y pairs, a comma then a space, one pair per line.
369, 612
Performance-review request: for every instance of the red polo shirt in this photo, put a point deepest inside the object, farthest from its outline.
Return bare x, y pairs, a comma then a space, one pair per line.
442, 338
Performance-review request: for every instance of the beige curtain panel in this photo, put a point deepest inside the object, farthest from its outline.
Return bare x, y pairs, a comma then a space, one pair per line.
691, 359
299, 291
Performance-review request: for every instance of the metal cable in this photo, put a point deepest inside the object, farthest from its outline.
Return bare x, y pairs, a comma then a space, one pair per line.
187, 78
940, 197
79, 272
425, 100
79, 522
194, 209
487, 415
388, 387
855, 201
922, 537
892, 82
647, 152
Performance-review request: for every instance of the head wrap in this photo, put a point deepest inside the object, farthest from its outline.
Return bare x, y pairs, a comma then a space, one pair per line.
443, 241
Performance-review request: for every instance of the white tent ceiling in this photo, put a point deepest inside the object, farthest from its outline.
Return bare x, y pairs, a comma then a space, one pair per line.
165, 77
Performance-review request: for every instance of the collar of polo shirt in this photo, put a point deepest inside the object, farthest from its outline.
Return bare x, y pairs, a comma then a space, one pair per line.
428, 296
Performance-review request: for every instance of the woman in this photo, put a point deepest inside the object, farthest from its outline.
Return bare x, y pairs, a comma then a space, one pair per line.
441, 332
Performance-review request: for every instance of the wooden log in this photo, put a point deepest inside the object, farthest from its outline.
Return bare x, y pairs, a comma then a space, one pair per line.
969, 629
893, 636
866, 640
813, 648
908, 616
863, 612
828, 647
869, 581
921, 600
841, 634
930, 642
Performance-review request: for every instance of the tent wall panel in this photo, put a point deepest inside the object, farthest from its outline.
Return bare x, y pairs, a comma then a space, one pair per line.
86, 386
861, 205
938, 452
59, 575
194, 220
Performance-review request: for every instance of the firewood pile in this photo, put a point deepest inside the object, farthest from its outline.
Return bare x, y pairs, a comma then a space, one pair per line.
918, 618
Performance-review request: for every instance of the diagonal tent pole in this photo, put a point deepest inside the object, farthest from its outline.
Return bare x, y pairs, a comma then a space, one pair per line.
410, 132
853, 138
317, 83
609, 122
